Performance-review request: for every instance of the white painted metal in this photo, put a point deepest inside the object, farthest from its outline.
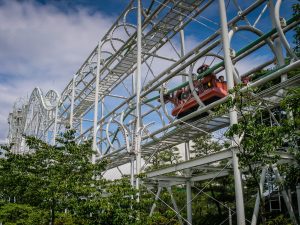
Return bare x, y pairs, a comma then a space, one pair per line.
155, 200
175, 205
138, 81
96, 102
239, 199
189, 209
72, 102
298, 199
259, 196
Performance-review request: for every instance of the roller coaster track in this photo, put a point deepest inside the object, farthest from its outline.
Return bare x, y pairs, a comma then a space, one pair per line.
116, 96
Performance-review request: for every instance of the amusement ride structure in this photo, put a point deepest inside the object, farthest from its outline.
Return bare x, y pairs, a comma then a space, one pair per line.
140, 91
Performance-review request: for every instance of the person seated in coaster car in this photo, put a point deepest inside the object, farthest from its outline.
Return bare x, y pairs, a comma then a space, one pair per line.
209, 89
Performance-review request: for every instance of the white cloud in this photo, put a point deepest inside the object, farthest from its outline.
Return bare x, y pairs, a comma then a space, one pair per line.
42, 46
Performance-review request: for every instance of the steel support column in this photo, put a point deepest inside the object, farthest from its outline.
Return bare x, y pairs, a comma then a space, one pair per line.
101, 125
55, 124
188, 187
96, 101
298, 199
132, 171
72, 102
229, 216
233, 116
81, 126
138, 94
259, 196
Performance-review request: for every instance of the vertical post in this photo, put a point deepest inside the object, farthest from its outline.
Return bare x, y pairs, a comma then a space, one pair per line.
101, 125
298, 199
96, 102
259, 195
72, 102
229, 216
233, 117
81, 126
186, 145
132, 171
138, 94
55, 124
188, 187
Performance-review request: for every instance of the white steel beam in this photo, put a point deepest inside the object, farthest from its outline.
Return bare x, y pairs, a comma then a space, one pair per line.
239, 198
225, 154
259, 196
96, 101
138, 94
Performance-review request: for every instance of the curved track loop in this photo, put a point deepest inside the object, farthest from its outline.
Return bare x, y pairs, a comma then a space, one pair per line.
40, 113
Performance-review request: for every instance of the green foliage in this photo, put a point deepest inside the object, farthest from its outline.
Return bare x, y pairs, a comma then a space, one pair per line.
21, 214
164, 158
291, 104
66, 219
259, 138
263, 131
279, 220
61, 178
158, 219
204, 145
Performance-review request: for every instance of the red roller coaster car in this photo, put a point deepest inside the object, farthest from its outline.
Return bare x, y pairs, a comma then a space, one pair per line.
209, 89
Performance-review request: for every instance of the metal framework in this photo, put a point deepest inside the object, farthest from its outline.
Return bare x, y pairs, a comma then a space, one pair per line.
116, 96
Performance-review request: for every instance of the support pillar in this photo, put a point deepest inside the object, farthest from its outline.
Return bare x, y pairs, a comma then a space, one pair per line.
72, 102
186, 146
138, 94
132, 171
298, 199
81, 126
101, 126
96, 102
257, 202
233, 117
229, 216
188, 187
55, 124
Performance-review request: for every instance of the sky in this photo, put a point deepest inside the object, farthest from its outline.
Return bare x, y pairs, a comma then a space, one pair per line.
44, 42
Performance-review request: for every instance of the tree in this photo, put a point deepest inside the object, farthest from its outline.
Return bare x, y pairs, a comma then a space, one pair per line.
291, 104
262, 130
204, 145
62, 178
22, 214
163, 158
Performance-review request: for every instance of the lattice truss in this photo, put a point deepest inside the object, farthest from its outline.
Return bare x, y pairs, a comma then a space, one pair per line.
125, 116
169, 62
